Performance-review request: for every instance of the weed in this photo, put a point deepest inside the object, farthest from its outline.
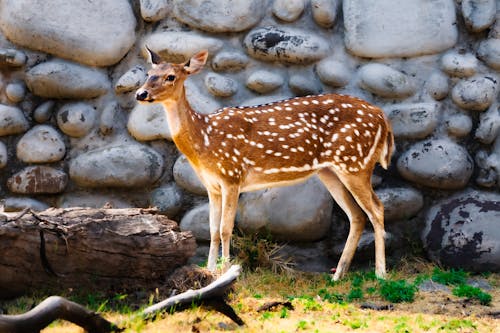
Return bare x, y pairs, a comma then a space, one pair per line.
451, 277
355, 323
355, 293
455, 325
331, 297
397, 291
267, 315
284, 313
302, 325
471, 292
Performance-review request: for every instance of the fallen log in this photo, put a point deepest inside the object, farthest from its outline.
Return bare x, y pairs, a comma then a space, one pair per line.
101, 249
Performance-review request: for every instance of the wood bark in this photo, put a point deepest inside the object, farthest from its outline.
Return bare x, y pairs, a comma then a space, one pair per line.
104, 249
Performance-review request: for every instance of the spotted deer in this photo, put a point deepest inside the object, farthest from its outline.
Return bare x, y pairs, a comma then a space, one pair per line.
237, 149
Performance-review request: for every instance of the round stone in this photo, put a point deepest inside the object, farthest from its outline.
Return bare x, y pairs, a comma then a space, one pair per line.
333, 73
98, 33
478, 15
12, 120
230, 61
489, 125
304, 85
63, 79
110, 118
15, 92
4, 157
436, 163
148, 122
167, 199
14, 204
288, 10
155, 10
324, 12
220, 15
462, 231
41, 144
76, 119
476, 93
300, 212
413, 121
118, 166
459, 125
286, 45
197, 221
437, 85
186, 177
220, 86
460, 65
400, 203
43, 112
12, 57
489, 52
385, 81
37, 180
263, 81
131, 80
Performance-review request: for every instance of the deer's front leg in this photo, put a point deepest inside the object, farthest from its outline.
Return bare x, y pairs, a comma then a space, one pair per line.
230, 196
215, 200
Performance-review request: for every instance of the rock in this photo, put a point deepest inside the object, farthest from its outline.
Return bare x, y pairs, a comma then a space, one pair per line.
41, 144
413, 121
110, 118
92, 200
12, 57
458, 125
12, 120
117, 166
400, 203
199, 101
220, 86
264, 82
288, 10
148, 122
430, 286
479, 283
402, 29
308, 257
63, 79
478, 14
179, 46
15, 92
131, 80
489, 52
324, 12
168, 199
489, 164
437, 86
154, 10
197, 221
462, 231
476, 93
37, 180
12, 204
303, 85
76, 119
220, 15
460, 65
295, 213
83, 36
286, 45
489, 125
495, 28
186, 178
385, 81
333, 73
366, 245
231, 61
4, 157
43, 112
436, 163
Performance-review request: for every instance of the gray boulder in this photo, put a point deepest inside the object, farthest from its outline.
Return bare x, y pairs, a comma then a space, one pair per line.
458, 125
15, 92
119, 166
296, 213
41, 144
186, 178
385, 81
131, 80
463, 231
437, 85
12, 57
168, 199
263, 81
324, 12
155, 10
229, 61
4, 157
413, 121
333, 73
476, 93
460, 65
489, 52
76, 30
63, 79
37, 180
478, 14
197, 221
76, 119
220, 86
400, 203
288, 10
148, 122
437, 163
12, 120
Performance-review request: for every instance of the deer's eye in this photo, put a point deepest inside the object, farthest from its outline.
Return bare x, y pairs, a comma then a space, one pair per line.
170, 78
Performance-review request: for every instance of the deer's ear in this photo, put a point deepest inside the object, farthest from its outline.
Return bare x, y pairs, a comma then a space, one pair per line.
196, 63
155, 57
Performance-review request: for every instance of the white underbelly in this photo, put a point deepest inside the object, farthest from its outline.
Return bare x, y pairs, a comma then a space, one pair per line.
254, 183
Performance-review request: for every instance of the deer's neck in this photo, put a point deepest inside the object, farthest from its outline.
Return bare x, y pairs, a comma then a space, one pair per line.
186, 126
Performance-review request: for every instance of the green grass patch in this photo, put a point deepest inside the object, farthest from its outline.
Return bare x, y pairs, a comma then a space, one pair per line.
451, 277
471, 292
397, 291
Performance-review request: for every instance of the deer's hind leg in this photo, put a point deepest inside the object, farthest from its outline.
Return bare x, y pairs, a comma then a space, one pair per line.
215, 202
355, 214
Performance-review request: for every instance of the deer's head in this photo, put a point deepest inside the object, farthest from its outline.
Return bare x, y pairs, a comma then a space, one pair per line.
166, 80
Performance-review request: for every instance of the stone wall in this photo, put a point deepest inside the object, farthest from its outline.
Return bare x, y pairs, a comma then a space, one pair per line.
71, 133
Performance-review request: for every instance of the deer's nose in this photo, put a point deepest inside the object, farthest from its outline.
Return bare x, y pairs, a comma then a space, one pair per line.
141, 95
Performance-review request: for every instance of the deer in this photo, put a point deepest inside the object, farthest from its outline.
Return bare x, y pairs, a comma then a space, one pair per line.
339, 138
